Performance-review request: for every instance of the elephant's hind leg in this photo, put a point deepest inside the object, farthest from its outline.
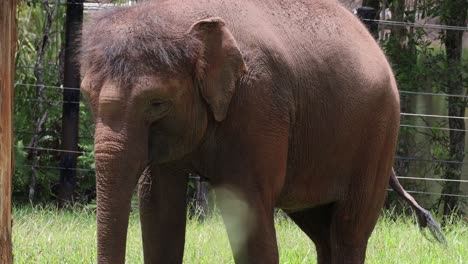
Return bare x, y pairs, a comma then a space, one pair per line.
351, 227
355, 217
315, 222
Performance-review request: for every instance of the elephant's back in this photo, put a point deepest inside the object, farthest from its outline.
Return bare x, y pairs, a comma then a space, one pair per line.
315, 34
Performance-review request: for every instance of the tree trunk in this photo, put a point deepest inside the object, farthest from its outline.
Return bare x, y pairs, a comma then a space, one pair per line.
456, 13
41, 105
398, 13
71, 107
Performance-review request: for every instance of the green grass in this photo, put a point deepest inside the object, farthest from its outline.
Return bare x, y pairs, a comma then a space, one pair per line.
44, 235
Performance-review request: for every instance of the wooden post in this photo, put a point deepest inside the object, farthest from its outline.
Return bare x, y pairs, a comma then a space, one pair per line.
7, 66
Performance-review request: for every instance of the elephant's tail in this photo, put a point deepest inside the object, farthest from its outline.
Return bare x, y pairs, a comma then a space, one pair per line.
425, 219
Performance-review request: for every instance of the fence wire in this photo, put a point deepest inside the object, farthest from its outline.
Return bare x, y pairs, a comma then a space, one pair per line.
400, 91
433, 193
436, 128
430, 160
434, 116
434, 94
416, 25
46, 86
432, 179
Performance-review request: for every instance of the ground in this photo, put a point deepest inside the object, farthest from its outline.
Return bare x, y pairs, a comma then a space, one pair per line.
50, 236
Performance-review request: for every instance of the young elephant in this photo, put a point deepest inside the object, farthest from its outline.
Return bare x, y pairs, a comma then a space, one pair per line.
287, 104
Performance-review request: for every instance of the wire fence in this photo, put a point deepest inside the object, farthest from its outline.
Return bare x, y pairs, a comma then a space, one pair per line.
90, 7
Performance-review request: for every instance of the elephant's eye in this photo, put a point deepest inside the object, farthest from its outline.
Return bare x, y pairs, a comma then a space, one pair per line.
156, 103
157, 109
159, 104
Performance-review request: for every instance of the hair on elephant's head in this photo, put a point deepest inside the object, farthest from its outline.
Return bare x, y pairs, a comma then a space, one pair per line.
148, 78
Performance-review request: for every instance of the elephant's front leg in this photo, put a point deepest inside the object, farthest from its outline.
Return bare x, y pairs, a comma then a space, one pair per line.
249, 223
162, 199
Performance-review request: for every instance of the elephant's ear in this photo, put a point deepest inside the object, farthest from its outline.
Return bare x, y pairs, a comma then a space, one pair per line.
220, 64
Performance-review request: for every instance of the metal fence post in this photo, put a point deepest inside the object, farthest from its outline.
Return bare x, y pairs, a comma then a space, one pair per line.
367, 15
71, 106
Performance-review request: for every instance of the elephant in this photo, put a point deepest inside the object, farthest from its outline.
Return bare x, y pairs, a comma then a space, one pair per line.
277, 104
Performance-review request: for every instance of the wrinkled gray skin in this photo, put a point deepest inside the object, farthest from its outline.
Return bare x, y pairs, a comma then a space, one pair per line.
287, 104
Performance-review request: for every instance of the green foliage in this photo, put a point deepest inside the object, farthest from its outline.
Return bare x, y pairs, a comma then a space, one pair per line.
420, 62
31, 24
30, 106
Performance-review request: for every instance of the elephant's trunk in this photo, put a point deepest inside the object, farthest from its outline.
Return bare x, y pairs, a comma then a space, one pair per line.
116, 177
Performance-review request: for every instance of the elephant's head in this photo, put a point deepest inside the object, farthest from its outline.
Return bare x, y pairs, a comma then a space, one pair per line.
153, 89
